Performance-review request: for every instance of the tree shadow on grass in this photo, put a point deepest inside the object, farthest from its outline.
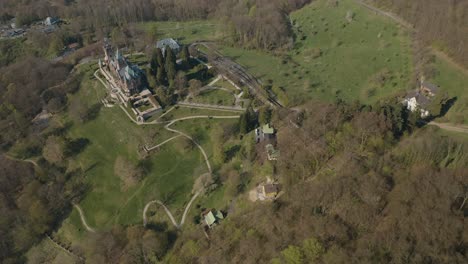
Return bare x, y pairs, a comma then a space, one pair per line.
448, 105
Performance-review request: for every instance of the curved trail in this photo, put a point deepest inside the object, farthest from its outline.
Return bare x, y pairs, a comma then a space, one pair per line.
83, 220
162, 143
179, 133
169, 214
167, 127
22, 160
188, 207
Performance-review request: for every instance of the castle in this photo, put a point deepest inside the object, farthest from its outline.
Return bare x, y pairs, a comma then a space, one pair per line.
127, 76
126, 84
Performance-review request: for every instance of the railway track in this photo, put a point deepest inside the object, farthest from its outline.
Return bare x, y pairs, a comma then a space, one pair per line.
238, 74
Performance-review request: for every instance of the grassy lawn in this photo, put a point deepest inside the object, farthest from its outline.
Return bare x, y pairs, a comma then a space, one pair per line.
200, 130
215, 97
112, 134
172, 170
187, 32
333, 56
226, 84
455, 83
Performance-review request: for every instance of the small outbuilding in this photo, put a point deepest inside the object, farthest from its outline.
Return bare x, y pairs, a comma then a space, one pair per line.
270, 190
50, 21
163, 44
212, 217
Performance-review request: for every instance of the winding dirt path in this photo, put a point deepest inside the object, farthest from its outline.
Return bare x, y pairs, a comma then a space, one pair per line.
34, 163
451, 127
83, 220
167, 127
179, 133
162, 143
188, 207
169, 214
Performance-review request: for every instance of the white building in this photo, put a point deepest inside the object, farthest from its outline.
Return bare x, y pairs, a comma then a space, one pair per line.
420, 99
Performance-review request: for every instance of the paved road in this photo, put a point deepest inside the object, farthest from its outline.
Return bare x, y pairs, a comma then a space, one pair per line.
451, 127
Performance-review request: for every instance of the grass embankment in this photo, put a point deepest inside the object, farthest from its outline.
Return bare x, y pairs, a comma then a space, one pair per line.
215, 97
455, 83
181, 111
366, 58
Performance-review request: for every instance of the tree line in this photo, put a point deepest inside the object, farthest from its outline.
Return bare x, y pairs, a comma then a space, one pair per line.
254, 23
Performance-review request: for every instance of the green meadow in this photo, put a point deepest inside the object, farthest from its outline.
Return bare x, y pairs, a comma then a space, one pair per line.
455, 83
365, 58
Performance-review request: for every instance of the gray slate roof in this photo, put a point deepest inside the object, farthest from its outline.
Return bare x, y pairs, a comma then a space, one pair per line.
432, 87
169, 42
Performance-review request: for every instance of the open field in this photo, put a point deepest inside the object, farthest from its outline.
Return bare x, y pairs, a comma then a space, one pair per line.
366, 59
187, 32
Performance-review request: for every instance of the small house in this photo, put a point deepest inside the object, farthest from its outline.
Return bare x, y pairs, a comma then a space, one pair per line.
212, 217
50, 21
420, 99
270, 190
168, 43
266, 132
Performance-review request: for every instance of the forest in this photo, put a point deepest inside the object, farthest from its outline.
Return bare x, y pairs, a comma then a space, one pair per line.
260, 23
364, 185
